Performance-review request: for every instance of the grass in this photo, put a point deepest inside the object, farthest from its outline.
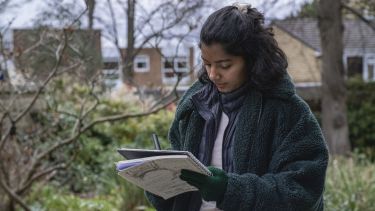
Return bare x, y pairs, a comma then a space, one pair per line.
350, 184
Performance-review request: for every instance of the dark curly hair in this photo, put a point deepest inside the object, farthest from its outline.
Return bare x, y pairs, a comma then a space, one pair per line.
242, 33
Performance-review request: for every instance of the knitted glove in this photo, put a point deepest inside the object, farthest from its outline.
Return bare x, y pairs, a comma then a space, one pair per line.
212, 188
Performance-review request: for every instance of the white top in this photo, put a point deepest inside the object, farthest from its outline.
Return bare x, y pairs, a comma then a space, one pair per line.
216, 159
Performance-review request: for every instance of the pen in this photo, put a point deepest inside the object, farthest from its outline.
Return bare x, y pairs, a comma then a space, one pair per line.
156, 141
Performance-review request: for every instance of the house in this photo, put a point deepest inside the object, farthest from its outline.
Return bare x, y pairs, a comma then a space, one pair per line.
153, 67
35, 57
300, 40
35, 52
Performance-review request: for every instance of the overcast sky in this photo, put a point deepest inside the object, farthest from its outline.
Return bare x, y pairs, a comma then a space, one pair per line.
25, 14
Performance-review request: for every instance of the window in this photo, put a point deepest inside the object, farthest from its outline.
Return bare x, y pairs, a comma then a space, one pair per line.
168, 68
142, 63
168, 63
370, 68
181, 65
110, 65
111, 74
174, 67
354, 66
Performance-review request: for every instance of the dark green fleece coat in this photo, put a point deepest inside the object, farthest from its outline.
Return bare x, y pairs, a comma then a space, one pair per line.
279, 154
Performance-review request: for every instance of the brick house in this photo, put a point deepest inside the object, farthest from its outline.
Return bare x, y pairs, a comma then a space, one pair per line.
35, 52
151, 69
299, 38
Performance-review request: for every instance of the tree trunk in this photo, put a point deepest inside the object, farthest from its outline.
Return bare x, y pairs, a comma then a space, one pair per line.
91, 7
7, 204
11, 206
129, 57
334, 110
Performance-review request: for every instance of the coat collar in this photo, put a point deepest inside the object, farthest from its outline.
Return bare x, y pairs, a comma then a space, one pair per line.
248, 123
186, 105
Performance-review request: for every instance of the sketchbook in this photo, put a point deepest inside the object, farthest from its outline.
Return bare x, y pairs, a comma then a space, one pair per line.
158, 171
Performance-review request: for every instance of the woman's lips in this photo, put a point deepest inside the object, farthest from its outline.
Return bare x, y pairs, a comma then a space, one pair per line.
220, 86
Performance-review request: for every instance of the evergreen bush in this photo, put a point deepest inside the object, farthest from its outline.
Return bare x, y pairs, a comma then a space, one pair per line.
361, 115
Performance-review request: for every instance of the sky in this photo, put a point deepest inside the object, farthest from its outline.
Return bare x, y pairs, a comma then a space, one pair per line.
25, 14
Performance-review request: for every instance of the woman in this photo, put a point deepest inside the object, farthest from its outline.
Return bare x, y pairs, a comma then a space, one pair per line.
244, 120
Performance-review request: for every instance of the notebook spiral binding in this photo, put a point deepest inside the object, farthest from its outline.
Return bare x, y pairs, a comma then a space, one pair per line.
198, 163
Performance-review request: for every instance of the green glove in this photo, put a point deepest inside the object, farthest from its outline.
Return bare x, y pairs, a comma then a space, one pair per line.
212, 188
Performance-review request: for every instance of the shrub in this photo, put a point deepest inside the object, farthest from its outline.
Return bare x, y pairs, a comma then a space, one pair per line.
92, 173
93, 170
361, 113
350, 184
53, 198
136, 133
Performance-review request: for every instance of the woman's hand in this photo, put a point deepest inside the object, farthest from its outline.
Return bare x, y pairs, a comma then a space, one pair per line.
212, 188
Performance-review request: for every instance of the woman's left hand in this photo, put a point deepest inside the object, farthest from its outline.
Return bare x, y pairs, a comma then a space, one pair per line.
212, 188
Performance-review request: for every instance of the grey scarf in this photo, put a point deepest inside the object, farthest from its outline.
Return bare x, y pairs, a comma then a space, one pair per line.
210, 104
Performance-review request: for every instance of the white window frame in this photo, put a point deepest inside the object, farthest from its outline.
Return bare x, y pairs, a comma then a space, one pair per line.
171, 80
175, 64
114, 62
142, 58
369, 60
165, 70
181, 59
169, 69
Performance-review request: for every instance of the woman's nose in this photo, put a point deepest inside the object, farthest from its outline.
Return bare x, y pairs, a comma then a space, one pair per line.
213, 74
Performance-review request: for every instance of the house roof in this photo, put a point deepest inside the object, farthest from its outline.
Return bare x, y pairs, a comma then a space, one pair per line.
357, 35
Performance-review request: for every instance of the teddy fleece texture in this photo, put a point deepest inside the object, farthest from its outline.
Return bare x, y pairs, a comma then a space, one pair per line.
279, 153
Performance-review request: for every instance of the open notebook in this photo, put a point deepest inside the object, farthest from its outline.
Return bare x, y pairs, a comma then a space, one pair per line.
157, 171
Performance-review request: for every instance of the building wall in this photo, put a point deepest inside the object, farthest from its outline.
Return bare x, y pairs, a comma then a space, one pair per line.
35, 52
152, 77
304, 65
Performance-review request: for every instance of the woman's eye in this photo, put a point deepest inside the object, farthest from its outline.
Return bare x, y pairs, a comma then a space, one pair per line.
225, 66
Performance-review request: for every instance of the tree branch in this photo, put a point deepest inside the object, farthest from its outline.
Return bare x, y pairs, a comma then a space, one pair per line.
359, 15
95, 122
59, 52
36, 177
14, 196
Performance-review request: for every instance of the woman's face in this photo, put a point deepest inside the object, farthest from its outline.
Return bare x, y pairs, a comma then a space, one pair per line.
226, 71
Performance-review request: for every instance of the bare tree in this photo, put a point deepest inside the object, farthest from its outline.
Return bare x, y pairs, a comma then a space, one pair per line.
128, 60
334, 110
152, 27
90, 4
334, 94
40, 125
330, 16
